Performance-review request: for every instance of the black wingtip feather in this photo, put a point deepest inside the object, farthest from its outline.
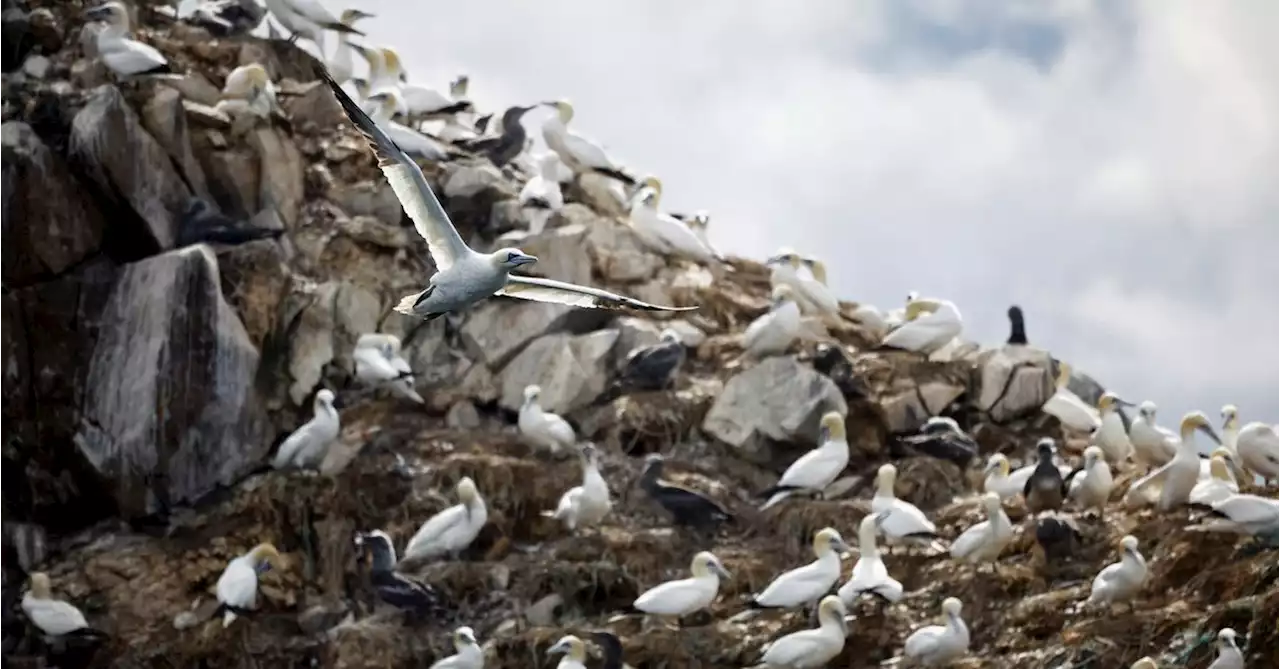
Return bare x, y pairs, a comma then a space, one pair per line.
378, 139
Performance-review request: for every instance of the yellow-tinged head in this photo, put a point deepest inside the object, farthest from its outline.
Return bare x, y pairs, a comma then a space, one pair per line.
832, 610
38, 584
1218, 465
918, 307
1230, 417
652, 182
787, 256
1107, 402
1144, 663
997, 463
569, 645
828, 539
564, 110
783, 293
1064, 375
1196, 420
391, 60
350, 16
706, 564
266, 553
463, 637
991, 501
833, 426
886, 476
1129, 544
951, 607
818, 269
466, 490
1092, 455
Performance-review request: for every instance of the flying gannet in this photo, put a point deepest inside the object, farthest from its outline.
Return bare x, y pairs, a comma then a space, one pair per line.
573, 650
307, 18
811, 648
818, 468
541, 195
340, 64
1046, 488
869, 575
1067, 407
903, 521
772, 332
464, 277
1017, 327
578, 152
1090, 486
419, 600
450, 531
54, 617
587, 504
237, 587
687, 595
687, 507
663, 233
931, 324
1112, 435
939, 645
1120, 581
124, 56
806, 584
379, 363
1256, 445
542, 428
984, 541
307, 447
467, 652
1170, 485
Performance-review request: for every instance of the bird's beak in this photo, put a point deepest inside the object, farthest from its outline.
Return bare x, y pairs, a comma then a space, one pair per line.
881, 517
1125, 403
773, 260
404, 77
840, 547
558, 649
1210, 432
990, 468
525, 260
721, 571
95, 13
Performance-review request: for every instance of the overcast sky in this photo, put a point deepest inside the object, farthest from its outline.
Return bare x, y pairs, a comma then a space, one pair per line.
1109, 166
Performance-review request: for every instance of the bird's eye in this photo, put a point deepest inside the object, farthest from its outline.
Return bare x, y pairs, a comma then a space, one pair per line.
511, 257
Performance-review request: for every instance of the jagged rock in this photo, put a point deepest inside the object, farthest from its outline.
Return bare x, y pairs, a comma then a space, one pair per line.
28, 541
36, 66
126, 162
166, 120
281, 172
194, 87
335, 314
462, 415
906, 389
497, 329
168, 339
572, 370
466, 181
369, 230
50, 222
255, 279
777, 400
632, 334
506, 216
1085, 387
909, 407
369, 198
614, 250
1012, 381
313, 106
690, 334
601, 193
561, 252
232, 178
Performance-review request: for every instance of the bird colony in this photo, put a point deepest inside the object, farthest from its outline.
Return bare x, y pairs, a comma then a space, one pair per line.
823, 561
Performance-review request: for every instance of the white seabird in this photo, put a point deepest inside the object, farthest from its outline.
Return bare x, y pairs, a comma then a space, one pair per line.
248, 91
869, 575
931, 324
54, 617
772, 332
573, 650
307, 18
541, 194
307, 447
939, 645
340, 64
682, 597
1112, 436
811, 648
543, 428
420, 100
1219, 485
1256, 445
1229, 655
379, 363
578, 152
1153, 445
818, 468
467, 652
1144, 663
816, 289
664, 233
1170, 486
902, 521
124, 56
812, 295
1091, 485
1242, 514
380, 80
804, 585
587, 504
1120, 581
410, 141
464, 277
1067, 407
237, 587
699, 222
984, 541
451, 530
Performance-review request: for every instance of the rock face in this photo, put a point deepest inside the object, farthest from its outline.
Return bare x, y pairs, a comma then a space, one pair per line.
1012, 381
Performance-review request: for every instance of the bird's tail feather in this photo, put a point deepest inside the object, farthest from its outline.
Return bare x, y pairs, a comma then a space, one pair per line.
407, 303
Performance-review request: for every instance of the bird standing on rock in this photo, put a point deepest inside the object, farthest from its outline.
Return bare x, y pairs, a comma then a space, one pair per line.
939, 645
452, 530
54, 617
237, 588
1045, 488
653, 367
811, 648
468, 654
687, 507
1090, 485
125, 57
806, 584
307, 447
687, 595
1229, 655
418, 600
818, 468
543, 429
587, 504
1017, 327
1120, 581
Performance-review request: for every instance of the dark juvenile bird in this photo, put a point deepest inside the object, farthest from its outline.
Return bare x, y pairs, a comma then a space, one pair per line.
1017, 327
687, 507
653, 367
942, 438
831, 362
1045, 488
1057, 536
200, 222
503, 148
610, 647
417, 599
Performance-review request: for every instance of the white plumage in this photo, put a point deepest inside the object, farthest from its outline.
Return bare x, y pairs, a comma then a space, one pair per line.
541, 193
379, 363
870, 576
307, 447
341, 67
939, 645
304, 18
578, 152
664, 233
587, 504
682, 597
453, 529
467, 652
812, 648
1170, 486
1153, 446
1068, 408
1219, 485
818, 468
542, 428
237, 587
931, 324
1092, 486
807, 584
52, 616
1243, 514
122, 55
998, 479
811, 294
984, 541
1122, 580
1229, 655
902, 520
574, 651
772, 332
249, 91
1256, 445
1111, 436
384, 104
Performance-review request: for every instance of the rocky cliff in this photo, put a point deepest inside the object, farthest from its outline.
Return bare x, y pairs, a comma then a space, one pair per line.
146, 379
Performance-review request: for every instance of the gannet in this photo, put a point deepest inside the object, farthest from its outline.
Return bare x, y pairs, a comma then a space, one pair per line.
410, 141
984, 541
248, 95
661, 232
869, 575
1017, 327
509, 143
202, 222
1057, 535
1090, 485
463, 276
578, 152
682, 597
380, 80
587, 504
1242, 514
1170, 486
870, 317
222, 18
379, 363
541, 194
307, 447
542, 428
611, 648
124, 56
420, 100
54, 617
237, 587
804, 585
1112, 435
811, 292
998, 479
687, 507
1229, 655
467, 653
816, 288
655, 366
1067, 407
698, 223
898, 315
818, 468
1219, 485
1153, 445
772, 332
811, 648
939, 645
307, 18
1256, 445
451, 530
941, 437
1045, 488
340, 64
1122, 580
902, 521
574, 651
1144, 663
418, 599
931, 324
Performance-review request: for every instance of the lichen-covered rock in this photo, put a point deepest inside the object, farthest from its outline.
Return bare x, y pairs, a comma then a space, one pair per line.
572, 370
1012, 381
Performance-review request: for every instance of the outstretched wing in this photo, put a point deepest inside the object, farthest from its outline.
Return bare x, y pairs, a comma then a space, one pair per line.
559, 292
